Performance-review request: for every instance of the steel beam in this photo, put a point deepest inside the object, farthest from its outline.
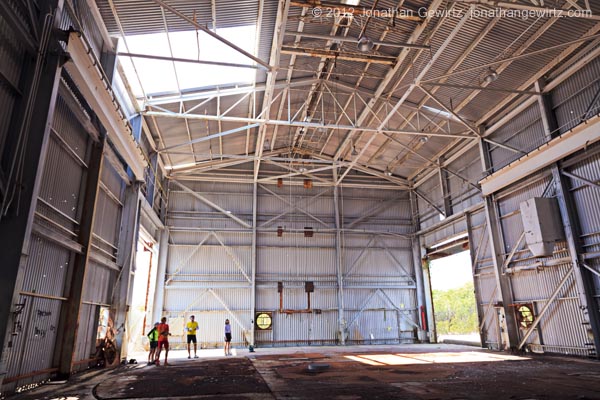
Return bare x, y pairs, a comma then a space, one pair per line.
282, 14
302, 124
341, 39
325, 7
409, 90
391, 74
548, 12
347, 56
214, 35
185, 60
211, 204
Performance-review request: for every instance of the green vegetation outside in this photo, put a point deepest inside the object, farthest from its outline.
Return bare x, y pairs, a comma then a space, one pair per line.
455, 310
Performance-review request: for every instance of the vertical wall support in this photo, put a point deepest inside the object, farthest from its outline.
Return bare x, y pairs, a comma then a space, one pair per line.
15, 226
121, 298
161, 267
583, 277
424, 300
474, 255
254, 261
508, 333
338, 263
69, 320
161, 275
443, 176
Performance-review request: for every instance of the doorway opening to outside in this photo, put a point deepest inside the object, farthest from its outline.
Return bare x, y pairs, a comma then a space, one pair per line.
454, 303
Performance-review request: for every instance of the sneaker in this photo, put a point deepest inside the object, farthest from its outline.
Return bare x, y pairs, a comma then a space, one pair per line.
157, 363
195, 356
189, 357
166, 363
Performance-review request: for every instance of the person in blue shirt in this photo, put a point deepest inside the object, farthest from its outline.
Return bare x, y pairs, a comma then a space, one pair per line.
227, 338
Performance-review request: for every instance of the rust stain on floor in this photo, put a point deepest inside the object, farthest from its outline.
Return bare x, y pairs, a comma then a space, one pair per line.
424, 372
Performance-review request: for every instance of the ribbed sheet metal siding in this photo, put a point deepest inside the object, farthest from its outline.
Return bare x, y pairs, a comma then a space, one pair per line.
210, 279
430, 189
587, 203
444, 232
11, 64
484, 279
525, 132
291, 259
100, 280
561, 328
32, 347
572, 98
468, 167
86, 334
48, 264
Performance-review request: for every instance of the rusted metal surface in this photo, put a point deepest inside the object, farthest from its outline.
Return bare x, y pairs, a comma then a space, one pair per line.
355, 372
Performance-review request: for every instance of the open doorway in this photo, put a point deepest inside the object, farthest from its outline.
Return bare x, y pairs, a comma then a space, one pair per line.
454, 303
139, 319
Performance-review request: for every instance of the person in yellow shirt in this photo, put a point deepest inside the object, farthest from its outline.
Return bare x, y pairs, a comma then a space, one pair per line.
191, 328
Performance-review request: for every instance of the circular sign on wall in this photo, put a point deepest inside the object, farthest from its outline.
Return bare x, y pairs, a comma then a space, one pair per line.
264, 320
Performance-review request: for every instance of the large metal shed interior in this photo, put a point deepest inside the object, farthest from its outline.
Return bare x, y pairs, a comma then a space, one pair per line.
370, 136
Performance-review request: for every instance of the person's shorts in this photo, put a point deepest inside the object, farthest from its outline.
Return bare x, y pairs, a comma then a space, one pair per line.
163, 343
153, 344
191, 339
228, 337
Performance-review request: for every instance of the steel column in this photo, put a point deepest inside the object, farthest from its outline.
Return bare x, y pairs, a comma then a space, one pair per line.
418, 265
254, 261
339, 264
508, 325
122, 291
159, 293
69, 320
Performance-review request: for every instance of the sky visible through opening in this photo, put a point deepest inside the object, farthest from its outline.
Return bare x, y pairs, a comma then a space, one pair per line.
158, 76
451, 272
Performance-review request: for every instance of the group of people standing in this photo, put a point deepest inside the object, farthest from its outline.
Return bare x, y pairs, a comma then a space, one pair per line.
159, 339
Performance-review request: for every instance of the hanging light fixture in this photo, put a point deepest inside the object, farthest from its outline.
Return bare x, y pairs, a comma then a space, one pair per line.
491, 76
388, 172
365, 44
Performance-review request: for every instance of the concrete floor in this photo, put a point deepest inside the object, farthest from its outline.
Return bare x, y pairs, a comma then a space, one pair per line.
354, 372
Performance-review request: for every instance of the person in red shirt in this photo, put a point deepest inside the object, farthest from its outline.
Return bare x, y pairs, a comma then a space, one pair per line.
163, 340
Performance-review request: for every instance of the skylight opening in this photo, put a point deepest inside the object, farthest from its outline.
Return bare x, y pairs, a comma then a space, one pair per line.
150, 77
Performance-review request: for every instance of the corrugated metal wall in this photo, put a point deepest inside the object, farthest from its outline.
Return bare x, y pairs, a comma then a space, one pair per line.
561, 329
44, 278
525, 132
572, 99
210, 264
586, 198
48, 265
